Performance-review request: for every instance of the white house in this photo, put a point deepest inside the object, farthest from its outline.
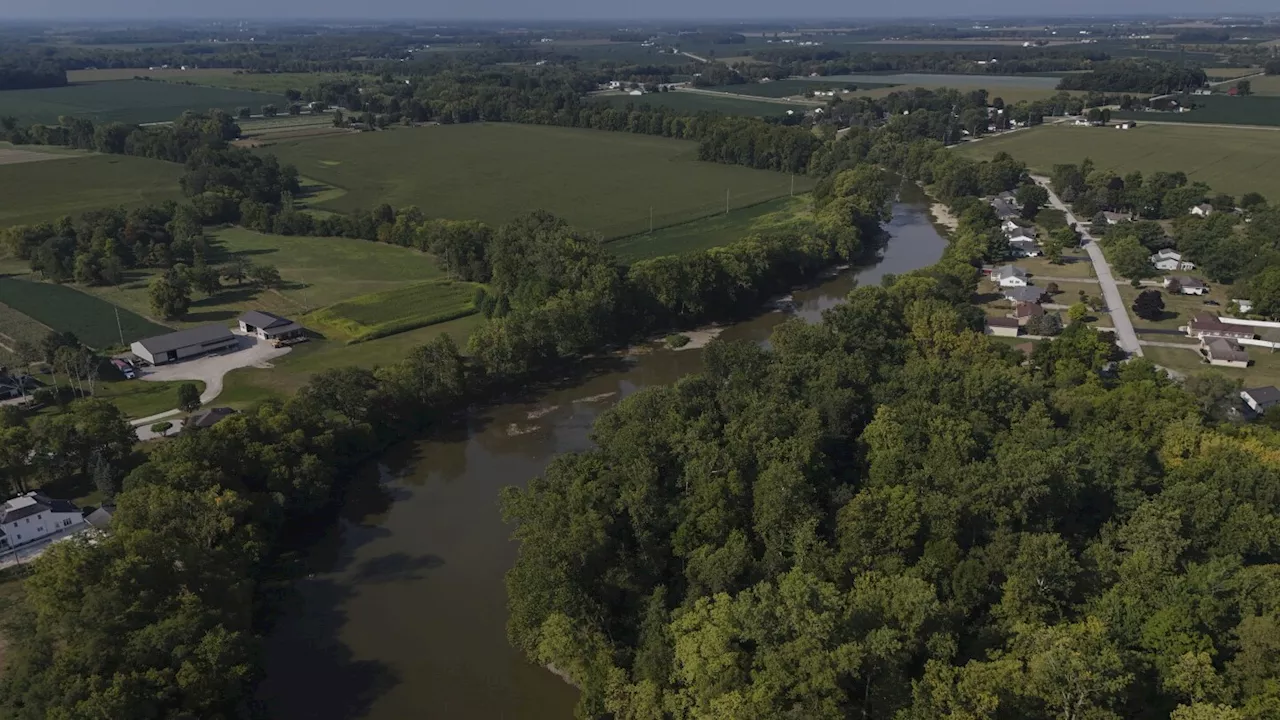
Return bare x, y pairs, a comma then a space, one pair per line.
1115, 218
1202, 210
1009, 226
1187, 285
1021, 247
1244, 305
1171, 260
33, 516
1009, 276
269, 326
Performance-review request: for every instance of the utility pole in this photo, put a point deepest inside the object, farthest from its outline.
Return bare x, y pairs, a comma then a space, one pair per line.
726, 201
793, 185
119, 329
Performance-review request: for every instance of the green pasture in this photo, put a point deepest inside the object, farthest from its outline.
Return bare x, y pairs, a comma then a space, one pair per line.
229, 78
696, 102
611, 183
75, 183
315, 272
92, 319
15, 328
130, 101
394, 311
1219, 110
709, 232
1230, 160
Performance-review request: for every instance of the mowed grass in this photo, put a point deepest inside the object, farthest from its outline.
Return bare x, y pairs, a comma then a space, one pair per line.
139, 399
72, 184
1268, 85
386, 313
315, 272
130, 101
696, 102
16, 328
601, 181
709, 232
92, 319
1230, 160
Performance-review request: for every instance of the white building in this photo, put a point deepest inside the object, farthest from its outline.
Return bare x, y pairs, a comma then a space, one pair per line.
1202, 210
269, 326
1187, 285
1171, 260
1009, 276
33, 516
185, 344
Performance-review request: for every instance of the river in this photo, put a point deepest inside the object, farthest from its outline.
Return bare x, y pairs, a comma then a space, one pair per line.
405, 613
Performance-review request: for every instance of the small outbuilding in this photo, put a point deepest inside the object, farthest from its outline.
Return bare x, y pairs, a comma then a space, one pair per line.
208, 418
269, 326
185, 344
1003, 326
1261, 399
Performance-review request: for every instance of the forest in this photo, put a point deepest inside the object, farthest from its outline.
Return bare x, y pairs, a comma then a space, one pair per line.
24, 74
1153, 77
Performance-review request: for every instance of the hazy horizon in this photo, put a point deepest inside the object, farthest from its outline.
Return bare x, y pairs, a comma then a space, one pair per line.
722, 11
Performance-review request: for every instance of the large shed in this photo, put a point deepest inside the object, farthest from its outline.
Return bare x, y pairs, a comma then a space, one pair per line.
185, 344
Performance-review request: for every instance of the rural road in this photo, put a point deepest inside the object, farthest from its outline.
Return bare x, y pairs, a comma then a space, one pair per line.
1215, 83
779, 101
1125, 334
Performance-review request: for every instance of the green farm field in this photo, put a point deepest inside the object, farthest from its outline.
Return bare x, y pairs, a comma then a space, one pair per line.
15, 328
696, 102
63, 308
211, 77
1267, 85
386, 313
74, 183
1230, 160
1219, 110
130, 101
315, 272
709, 232
601, 181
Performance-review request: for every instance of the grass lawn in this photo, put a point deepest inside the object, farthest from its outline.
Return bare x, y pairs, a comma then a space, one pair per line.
695, 102
709, 232
132, 101
602, 181
14, 328
245, 387
1264, 368
41, 191
63, 308
1230, 160
315, 272
1075, 265
139, 399
392, 311
1178, 309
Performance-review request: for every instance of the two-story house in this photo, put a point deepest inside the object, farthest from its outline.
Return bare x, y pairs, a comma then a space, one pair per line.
33, 516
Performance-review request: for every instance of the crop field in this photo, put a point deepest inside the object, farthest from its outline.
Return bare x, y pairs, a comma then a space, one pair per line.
394, 311
612, 183
1267, 85
787, 88
41, 191
1218, 110
64, 309
695, 102
131, 101
1230, 160
708, 232
15, 328
1229, 73
315, 271
212, 77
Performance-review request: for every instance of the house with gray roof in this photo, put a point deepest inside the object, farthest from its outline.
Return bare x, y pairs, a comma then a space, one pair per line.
1261, 399
1030, 294
185, 344
34, 516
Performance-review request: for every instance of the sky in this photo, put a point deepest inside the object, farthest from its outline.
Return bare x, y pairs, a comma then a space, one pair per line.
719, 10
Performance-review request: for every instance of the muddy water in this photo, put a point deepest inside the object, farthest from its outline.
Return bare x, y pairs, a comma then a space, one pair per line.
405, 614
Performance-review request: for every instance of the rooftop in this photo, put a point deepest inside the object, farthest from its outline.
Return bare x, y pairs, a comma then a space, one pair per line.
203, 335
263, 319
1002, 322
1224, 349
1268, 395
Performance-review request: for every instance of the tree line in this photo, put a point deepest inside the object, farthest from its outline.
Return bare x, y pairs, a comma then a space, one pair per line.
24, 74
1136, 75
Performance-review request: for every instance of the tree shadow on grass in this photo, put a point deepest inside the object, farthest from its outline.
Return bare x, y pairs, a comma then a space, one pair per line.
210, 316
233, 294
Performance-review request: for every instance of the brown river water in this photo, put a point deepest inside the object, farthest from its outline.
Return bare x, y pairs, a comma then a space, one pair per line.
405, 613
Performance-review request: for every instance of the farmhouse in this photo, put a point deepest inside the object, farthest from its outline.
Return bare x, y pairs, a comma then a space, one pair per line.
1224, 352
33, 516
1260, 399
269, 326
1003, 326
1205, 324
1115, 218
1187, 285
1009, 276
185, 344
1171, 260
1202, 210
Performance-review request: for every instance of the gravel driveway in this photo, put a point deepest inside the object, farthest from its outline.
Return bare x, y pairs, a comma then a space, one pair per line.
210, 368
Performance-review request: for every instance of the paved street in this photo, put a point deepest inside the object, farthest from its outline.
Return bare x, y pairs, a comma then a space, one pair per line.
1126, 337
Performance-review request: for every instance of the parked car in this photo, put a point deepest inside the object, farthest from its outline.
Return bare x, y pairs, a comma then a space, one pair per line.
125, 368
1214, 303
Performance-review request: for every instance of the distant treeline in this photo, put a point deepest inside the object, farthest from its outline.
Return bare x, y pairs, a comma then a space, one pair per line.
1155, 77
23, 74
